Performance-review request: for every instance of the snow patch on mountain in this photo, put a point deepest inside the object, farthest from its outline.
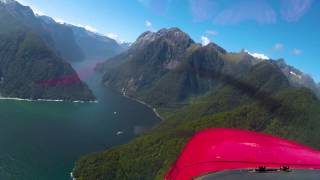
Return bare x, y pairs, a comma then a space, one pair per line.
296, 75
257, 55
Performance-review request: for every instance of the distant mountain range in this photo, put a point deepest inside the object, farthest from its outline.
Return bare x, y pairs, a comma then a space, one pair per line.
33, 57
194, 87
76, 43
96, 46
298, 78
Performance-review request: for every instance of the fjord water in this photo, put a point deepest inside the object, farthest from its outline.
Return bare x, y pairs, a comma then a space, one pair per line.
42, 140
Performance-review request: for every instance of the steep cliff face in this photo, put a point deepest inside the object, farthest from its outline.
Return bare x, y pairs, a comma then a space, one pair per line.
71, 42
64, 39
30, 68
95, 46
56, 36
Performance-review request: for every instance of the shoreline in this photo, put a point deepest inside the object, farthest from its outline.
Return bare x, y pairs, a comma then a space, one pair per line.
133, 99
46, 100
143, 103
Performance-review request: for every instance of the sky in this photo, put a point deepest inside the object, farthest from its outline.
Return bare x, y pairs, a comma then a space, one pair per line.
288, 29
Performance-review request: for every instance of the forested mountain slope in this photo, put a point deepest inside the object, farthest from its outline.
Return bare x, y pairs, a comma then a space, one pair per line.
196, 87
29, 68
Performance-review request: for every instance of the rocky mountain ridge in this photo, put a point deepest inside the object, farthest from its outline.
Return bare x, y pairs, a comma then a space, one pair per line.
170, 59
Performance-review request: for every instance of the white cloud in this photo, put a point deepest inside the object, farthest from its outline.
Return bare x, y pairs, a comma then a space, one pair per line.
205, 40
257, 55
211, 33
88, 28
295, 74
260, 12
115, 37
293, 10
278, 47
60, 21
37, 11
296, 52
148, 23
112, 35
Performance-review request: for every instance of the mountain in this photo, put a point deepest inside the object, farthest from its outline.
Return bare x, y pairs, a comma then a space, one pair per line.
296, 77
125, 45
163, 68
63, 38
94, 45
56, 36
77, 44
29, 67
155, 59
195, 87
73, 43
169, 59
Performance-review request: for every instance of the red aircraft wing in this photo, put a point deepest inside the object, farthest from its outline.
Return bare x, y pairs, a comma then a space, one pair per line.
215, 150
